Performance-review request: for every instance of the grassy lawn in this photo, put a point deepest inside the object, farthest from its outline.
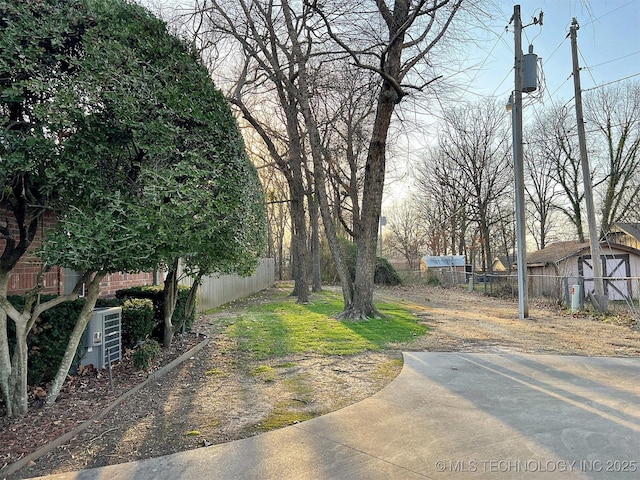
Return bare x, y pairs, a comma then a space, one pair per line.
283, 327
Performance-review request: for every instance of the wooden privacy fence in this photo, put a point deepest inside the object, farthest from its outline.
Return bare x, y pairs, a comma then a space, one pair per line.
218, 290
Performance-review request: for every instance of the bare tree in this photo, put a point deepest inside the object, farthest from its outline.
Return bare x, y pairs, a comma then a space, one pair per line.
555, 136
504, 236
474, 144
268, 70
407, 232
286, 50
614, 112
393, 39
541, 187
345, 114
442, 208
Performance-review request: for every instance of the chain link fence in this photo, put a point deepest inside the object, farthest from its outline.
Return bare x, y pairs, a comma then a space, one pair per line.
623, 292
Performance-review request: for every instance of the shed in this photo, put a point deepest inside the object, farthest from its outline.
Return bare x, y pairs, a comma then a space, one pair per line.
454, 262
573, 259
504, 263
450, 269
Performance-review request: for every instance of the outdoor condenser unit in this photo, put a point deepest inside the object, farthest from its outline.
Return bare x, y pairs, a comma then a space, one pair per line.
102, 339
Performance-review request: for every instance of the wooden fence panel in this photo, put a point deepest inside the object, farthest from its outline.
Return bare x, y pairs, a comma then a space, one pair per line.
218, 290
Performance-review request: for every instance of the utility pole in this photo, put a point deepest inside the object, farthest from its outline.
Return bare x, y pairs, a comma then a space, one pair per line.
598, 281
518, 163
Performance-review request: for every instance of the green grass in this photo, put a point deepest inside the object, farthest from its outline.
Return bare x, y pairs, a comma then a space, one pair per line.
264, 372
285, 414
284, 327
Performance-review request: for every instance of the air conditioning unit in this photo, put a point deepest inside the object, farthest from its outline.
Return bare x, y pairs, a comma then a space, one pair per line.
102, 339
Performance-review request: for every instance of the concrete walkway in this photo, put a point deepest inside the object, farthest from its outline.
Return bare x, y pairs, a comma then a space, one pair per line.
447, 415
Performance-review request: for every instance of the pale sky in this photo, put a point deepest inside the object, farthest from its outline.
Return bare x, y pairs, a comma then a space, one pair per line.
609, 50
608, 45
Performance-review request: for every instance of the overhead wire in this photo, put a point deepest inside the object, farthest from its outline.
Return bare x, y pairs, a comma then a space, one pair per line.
593, 20
585, 67
590, 68
612, 81
615, 59
500, 37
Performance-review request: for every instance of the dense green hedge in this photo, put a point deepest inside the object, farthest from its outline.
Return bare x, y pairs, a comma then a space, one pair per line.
48, 338
154, 293
137, 321
385, 274
50, 335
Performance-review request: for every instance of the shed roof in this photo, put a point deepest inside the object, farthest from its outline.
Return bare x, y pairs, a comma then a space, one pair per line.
506, 260
632, 229
556, 252
559, 251
444, 261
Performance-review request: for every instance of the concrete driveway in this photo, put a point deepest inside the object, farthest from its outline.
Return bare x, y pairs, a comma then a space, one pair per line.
447, 415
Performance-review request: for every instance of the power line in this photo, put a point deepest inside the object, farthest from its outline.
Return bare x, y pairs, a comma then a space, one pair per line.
509, 73
485, 61
584, 62
554, 52
609, 13
612, 81
568, 133
615, 59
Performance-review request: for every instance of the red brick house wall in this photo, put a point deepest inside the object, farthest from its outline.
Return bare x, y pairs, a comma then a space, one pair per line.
117, 281
23, 276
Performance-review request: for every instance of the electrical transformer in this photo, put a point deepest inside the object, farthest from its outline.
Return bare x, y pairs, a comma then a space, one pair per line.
530, 71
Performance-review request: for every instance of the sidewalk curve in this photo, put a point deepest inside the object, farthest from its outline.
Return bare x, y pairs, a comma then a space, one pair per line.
447, 415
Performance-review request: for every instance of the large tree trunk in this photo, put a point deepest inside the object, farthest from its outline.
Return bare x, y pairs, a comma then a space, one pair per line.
317, 157
316, 279
314, 221
292, 170
92, 294
14, 248
299, 236
299, 249
366, 229
14, 369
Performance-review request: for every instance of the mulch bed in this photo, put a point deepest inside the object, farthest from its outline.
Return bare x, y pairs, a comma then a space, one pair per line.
82, 396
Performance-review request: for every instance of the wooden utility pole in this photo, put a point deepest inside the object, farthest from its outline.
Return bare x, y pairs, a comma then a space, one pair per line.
518, 163
600, 300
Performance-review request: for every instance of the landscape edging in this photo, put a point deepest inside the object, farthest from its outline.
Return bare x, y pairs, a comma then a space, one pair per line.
14, 467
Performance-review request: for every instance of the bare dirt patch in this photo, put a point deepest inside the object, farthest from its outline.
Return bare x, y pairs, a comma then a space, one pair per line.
460, 321
220, 394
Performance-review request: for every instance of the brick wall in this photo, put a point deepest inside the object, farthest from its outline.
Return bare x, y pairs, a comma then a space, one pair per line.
118, 281
23, 276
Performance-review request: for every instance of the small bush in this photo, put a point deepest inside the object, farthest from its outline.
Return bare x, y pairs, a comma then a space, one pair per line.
137, 320
146, 354
154, 293
385, 273
108, 302
328, 270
